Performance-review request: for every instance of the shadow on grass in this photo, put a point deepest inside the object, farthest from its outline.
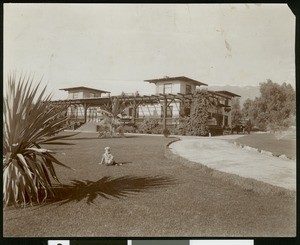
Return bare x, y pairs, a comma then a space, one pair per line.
99, 138
84, 138
107, 188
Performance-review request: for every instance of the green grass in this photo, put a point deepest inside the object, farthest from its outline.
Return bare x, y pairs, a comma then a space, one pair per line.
269, 142
148, 196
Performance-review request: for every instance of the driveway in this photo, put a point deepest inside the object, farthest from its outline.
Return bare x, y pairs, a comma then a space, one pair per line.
220, 154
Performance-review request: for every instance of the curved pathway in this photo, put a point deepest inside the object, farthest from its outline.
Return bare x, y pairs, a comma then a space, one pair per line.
219, 154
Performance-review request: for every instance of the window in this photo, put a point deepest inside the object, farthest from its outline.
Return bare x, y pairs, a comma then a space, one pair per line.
130, 112
75, 95
160, 89
188, 89
221, 101
92, 95
167, 88
169, 111
225, 121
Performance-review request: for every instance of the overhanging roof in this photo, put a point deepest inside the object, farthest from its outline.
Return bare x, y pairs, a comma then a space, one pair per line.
183, 78
84, 88
227, 93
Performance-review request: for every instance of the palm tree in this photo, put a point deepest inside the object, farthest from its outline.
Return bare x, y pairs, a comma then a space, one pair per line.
111, 123
29, 121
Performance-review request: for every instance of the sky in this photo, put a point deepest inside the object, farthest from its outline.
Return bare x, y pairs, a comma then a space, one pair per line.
115, 47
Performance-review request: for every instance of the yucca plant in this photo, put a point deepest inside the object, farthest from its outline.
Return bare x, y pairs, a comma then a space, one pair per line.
29, 121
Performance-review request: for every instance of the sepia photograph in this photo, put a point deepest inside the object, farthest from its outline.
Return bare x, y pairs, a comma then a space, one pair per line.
149, 120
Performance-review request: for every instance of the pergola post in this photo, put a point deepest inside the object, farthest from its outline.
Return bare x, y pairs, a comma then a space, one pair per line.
134, 112
85, 107
165, 109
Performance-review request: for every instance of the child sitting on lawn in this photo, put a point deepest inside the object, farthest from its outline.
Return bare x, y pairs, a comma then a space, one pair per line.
108, 158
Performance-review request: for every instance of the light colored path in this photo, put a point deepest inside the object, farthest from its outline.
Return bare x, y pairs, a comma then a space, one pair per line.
217, 153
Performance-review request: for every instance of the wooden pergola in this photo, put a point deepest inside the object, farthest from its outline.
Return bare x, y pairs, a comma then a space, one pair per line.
134, 101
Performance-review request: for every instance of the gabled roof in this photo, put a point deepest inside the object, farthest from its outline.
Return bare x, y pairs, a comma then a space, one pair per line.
186, 79
225, 92
84, 88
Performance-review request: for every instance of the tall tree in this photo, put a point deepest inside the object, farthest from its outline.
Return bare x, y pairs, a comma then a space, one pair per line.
236, 114
274, 108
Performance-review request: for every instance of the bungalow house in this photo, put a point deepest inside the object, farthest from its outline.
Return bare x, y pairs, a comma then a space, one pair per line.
173, 96
176, 89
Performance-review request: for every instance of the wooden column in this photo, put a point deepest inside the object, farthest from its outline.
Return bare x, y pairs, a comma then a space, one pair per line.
85, 107
134, 112
165, 109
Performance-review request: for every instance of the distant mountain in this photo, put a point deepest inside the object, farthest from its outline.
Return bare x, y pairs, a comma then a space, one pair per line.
246, 92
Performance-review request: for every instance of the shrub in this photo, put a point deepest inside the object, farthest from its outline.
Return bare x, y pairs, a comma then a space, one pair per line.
166, 132
183, 125
130, 128
149, 126
103, 131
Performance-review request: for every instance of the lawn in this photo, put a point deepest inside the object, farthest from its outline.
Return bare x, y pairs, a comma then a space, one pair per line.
268, 142
148, 196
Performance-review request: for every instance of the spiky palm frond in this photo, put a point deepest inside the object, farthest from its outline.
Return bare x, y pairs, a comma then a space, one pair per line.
29, 121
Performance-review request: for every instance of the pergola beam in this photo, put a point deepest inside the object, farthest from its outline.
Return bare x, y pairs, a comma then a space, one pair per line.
136, 100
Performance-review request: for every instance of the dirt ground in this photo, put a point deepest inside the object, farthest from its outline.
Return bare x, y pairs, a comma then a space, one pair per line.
148, 196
